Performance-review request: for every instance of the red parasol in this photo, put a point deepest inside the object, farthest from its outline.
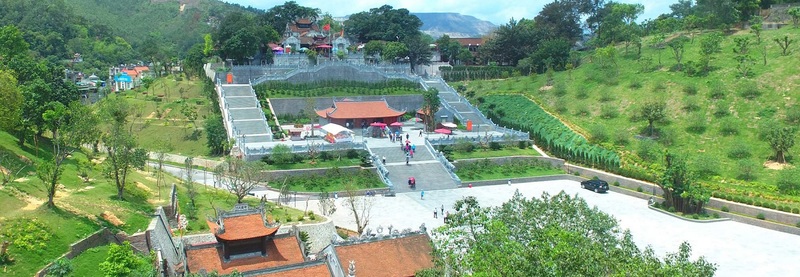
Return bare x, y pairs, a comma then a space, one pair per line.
396, 124
324, 46
377, 124
443, 131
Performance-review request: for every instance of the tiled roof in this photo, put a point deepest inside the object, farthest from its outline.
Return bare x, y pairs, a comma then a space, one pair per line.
359, 109
141, 68
320, 270
470, 41
242, 227
131, 72
388, 257
280, 251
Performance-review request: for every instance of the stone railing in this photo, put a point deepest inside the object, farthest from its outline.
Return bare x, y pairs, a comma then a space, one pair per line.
451, 169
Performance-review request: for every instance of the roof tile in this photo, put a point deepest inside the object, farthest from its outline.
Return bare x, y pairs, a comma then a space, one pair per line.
359, 109
389, 257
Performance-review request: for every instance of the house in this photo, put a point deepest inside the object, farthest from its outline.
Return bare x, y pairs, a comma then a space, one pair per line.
348, 113
128, 77
471, 44
305, 33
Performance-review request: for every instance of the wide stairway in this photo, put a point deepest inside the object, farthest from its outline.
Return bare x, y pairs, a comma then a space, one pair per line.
243, 116
460, 105
429, 173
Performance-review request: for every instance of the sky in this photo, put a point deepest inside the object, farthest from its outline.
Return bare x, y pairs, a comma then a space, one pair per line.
498, 11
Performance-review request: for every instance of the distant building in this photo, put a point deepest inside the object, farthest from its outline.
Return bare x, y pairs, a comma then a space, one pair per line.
127, 77
471, 44
306, 34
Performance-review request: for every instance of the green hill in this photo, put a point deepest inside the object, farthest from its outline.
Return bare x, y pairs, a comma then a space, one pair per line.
718, 120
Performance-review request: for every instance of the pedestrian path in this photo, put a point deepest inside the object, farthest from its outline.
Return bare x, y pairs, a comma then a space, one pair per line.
243, 117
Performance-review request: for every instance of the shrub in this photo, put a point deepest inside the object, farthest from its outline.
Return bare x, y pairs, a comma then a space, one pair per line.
60, 268
659, 87
722, 109
648, 150
690, 89
300, 218
715, 215
582, 110
606, 95
695, 216
522, 144
495, 146
609, 111
559, 90
798, 224
639, 189
789, 181
747, 170
671, 209
561, 105
636, 84
724, 209
749, 90
717, 92
582, 94
795, 211
666, 136
706, 166
783, 208
616, 184
739, 151
761, 216
352, 154
728, 128
342, 234
599, 133
793, 115
621, 137
690, 104
464, 147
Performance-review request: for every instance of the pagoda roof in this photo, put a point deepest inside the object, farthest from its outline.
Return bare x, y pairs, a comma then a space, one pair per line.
241, 228
282, 251
388, 257
359, 109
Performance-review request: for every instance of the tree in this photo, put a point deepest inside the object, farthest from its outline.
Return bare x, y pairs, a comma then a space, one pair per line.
709, 45
419, 50
239, 36
559, 20
512, 42
161, 147
359, 205
789, 181
191, 188
383, 23
239, 176
278, 17
193, 61
11, 97
70, 128
677, 45
619, 23
216, 135
781, 139
281, 154
123, 152
681, 191
430, 105
748, 9
392, 51
448, 48
122, 261
784, 43
744, 60
795, 14
541, 237
326, 204
719, 13
12, 43
653, 111
756, 27
373, 48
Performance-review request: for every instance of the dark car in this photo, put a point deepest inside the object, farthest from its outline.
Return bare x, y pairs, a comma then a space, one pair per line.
596, 185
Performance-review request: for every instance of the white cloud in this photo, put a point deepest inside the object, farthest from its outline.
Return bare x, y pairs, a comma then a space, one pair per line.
497, 11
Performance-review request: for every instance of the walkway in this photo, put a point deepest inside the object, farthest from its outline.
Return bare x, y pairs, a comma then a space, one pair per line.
459, 105
243, 117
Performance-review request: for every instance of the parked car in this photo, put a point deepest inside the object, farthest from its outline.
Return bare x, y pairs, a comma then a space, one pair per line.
596, 185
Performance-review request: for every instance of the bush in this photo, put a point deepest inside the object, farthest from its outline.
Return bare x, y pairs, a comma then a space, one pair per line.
300, 218
728, 128
724, 209
639, 189
793, 115
750, 91
671, 209
648, 150
599, 133
747, 170
722, 109
695, 216
495, 146
761, 216
609, 111
795, 211
715, 215
706, 166
522, 144
717, 92
690, 104
616, 184
352, 154
60, 268
690, 89
464, 147
739, 151
789, 181
636, 84
606, 95
582, 110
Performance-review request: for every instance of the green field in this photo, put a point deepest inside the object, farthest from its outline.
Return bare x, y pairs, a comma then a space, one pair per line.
716, 119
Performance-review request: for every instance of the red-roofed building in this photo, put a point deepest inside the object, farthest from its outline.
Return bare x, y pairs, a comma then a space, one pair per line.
244, 242
403, 255
472, 44
350, 113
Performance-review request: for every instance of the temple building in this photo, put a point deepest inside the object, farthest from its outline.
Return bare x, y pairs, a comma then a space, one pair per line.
352, 114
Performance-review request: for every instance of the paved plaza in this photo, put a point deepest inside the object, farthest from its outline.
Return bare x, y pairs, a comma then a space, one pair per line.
738, 249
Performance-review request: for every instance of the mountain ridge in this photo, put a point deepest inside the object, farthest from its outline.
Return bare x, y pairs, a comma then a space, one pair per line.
453, 24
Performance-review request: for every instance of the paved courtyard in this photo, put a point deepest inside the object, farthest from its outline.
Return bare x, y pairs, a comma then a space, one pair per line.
737, 249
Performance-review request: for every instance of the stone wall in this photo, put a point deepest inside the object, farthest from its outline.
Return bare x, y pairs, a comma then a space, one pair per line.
555, 162
159, 238
319, 234
293, 106
99, 238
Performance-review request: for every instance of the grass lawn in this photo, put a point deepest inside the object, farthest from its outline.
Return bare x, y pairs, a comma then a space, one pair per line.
181, 139
344, 162
505, 152
716, 119
88, 262
498, 175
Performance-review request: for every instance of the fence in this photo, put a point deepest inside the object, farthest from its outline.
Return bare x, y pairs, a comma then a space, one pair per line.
386, 72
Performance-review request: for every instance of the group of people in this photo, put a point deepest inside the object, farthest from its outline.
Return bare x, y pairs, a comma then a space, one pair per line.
445, 215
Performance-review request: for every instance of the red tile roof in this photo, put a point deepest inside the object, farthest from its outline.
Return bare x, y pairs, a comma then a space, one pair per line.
470, 41
319, 270
354, 109
242, 227
280, 251
131, 72
389, 257
141, 68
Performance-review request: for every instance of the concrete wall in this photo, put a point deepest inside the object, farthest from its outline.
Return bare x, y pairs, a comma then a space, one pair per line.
99, 238
293, 106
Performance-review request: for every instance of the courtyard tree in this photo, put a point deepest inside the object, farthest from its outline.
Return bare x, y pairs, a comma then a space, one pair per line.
239, 176
653, 111
784, 44
680, 186
360, 206
542, 237
384, 23
430, 105
392, 51
279, 16
70, 127
419, 50
121, 147
781, 139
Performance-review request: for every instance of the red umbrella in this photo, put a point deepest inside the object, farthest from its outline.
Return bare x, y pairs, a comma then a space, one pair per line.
443, 131
377, 124
324, 46
396, 124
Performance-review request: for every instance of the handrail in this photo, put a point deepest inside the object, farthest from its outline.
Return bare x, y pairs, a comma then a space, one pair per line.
443, 160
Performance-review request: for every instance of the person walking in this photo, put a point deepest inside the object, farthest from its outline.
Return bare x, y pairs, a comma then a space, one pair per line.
434, 213
408, 136
422, 194
420, 133
384, 159
442, 209
411, 152
407, 158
